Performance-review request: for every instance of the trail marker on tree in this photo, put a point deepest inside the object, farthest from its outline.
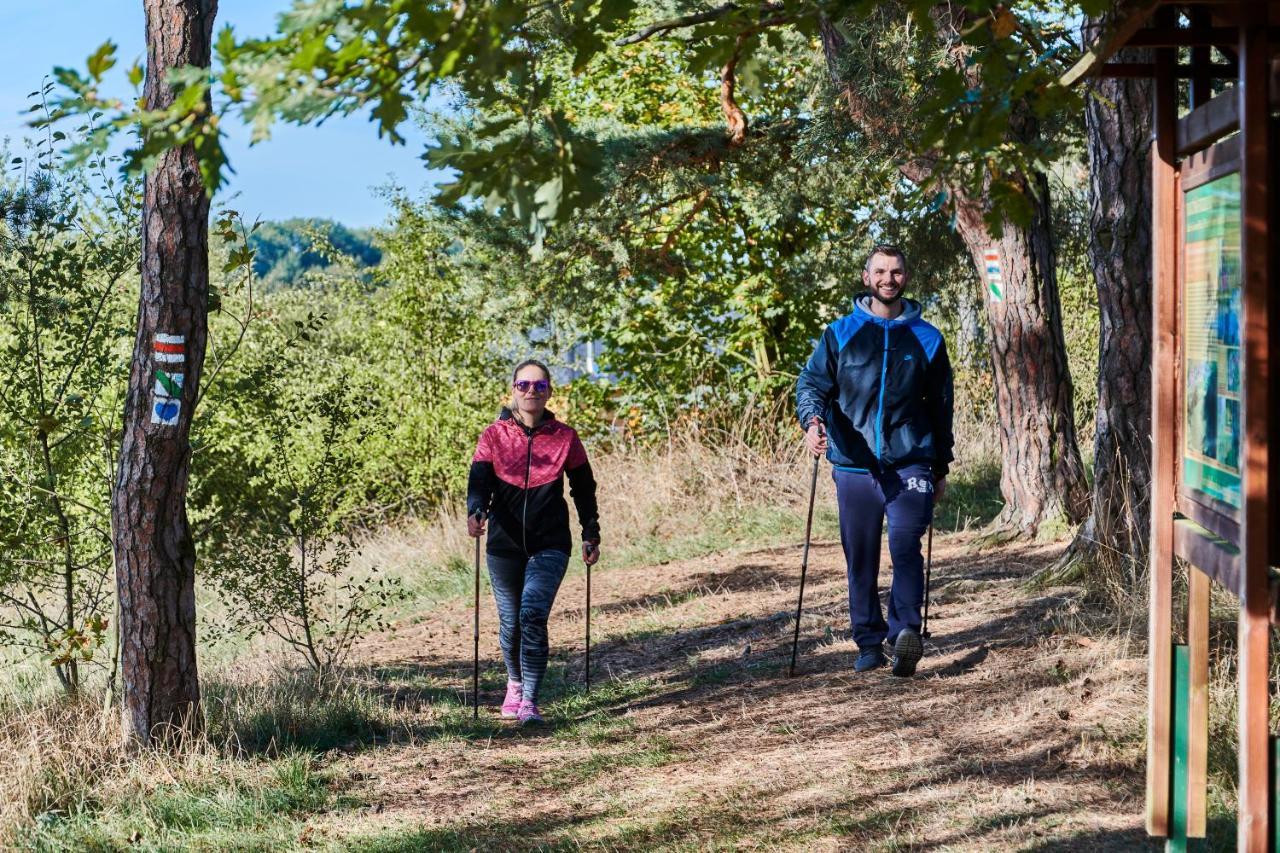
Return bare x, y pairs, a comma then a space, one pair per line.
994, 275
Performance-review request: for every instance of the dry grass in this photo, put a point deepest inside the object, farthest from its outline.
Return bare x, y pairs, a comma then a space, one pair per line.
707, 485
69, 783
1020, 732
705, 489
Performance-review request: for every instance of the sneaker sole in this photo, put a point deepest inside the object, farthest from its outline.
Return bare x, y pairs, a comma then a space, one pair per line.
509, 715
907, 650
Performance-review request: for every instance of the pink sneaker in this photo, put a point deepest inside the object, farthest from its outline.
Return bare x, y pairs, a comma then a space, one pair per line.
511, 705
528, 713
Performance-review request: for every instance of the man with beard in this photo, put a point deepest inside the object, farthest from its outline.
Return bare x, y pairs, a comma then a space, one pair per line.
876, 398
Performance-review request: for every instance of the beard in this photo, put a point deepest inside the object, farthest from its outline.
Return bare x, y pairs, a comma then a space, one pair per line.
886, 300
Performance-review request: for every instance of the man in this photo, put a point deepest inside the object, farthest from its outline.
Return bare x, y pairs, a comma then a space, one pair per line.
876, 397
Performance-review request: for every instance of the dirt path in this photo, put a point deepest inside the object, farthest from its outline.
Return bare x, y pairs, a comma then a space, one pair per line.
1016, 733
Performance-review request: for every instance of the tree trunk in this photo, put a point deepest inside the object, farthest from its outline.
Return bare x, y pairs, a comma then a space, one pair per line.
1042, 477
155, 555
1118, 125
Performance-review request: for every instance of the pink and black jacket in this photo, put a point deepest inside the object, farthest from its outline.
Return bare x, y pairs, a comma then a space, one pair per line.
517, 482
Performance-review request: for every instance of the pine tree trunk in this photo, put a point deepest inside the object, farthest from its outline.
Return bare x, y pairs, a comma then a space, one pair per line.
1118, 125
155, 555
1042, 476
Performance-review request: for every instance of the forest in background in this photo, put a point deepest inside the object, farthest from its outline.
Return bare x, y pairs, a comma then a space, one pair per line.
353, 368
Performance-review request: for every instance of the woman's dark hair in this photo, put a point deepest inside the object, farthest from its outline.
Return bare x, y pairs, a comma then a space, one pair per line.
531, 362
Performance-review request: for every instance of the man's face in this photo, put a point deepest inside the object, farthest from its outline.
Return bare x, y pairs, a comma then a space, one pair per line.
886, 278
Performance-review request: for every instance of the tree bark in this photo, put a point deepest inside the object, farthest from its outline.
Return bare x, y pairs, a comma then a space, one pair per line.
1042, 477
155, 555
1118, 125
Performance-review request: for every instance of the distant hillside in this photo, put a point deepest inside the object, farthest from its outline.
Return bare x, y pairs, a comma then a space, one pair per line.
285, 251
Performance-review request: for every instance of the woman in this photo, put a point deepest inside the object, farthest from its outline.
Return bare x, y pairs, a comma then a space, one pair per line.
516, 481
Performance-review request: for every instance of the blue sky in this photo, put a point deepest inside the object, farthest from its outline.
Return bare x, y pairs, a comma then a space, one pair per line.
331, 171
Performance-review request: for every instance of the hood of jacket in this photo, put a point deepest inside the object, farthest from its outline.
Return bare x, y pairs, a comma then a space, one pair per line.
508, 418
910, 310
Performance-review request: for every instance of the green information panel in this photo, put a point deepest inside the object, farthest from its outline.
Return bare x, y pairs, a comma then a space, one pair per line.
1211, 302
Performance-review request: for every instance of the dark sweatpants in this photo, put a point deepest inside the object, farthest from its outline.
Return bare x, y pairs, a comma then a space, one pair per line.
864, 499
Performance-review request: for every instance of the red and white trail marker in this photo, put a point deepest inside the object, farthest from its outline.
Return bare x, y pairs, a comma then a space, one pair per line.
994, 274
166, 394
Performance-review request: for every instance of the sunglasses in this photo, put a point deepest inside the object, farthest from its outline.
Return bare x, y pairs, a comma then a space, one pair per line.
524, 386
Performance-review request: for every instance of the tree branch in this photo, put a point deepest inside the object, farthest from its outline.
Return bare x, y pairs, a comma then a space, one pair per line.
670, 242
692, 21
734, 117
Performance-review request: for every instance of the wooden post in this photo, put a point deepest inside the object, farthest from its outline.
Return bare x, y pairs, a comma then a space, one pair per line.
1198, 582
1164, 242
1254, 626
1201, 58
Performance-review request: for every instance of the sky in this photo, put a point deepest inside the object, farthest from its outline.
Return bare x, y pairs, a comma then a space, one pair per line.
332, 171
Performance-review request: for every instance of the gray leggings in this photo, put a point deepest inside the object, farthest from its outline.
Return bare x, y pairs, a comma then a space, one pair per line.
524, 591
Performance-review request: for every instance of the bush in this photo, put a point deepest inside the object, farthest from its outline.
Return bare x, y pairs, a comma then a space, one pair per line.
66, 260
288, 568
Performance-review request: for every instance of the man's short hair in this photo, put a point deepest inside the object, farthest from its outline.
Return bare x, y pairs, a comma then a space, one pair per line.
886, 249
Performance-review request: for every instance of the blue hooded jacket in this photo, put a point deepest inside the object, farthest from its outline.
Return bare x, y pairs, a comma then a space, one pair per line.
883, 388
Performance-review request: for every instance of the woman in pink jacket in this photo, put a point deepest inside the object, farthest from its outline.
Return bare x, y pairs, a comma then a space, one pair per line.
517, 483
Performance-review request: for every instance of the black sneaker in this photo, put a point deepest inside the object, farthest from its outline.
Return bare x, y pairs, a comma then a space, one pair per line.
869, 659
907, 649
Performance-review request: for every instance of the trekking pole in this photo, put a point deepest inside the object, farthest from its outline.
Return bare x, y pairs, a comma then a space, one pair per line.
475, 636
588, 661
804, 563
928, 570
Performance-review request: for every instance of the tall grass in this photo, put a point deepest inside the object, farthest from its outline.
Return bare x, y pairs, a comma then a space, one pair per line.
730, 481
69, 785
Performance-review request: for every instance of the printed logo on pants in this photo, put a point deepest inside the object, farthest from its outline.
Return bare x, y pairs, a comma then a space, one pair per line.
923, 485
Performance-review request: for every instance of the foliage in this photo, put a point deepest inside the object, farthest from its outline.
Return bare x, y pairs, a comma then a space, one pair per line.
416, 340
67, 252
705, 271
529, 157
288, 568
1077, 290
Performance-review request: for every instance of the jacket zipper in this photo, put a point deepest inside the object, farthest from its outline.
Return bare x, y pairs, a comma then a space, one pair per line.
884, 368
524, 513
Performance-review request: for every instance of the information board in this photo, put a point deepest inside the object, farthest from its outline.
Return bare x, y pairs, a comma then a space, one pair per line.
1211, 308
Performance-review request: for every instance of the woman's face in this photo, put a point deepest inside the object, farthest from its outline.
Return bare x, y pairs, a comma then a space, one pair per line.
531, 390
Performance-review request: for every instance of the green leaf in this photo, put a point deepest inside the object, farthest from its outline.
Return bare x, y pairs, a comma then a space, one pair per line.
102, 60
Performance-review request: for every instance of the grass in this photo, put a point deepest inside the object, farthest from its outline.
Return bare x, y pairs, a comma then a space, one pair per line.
258, 770
648, 751
972, 499
259, 807
464, 839
243, 782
